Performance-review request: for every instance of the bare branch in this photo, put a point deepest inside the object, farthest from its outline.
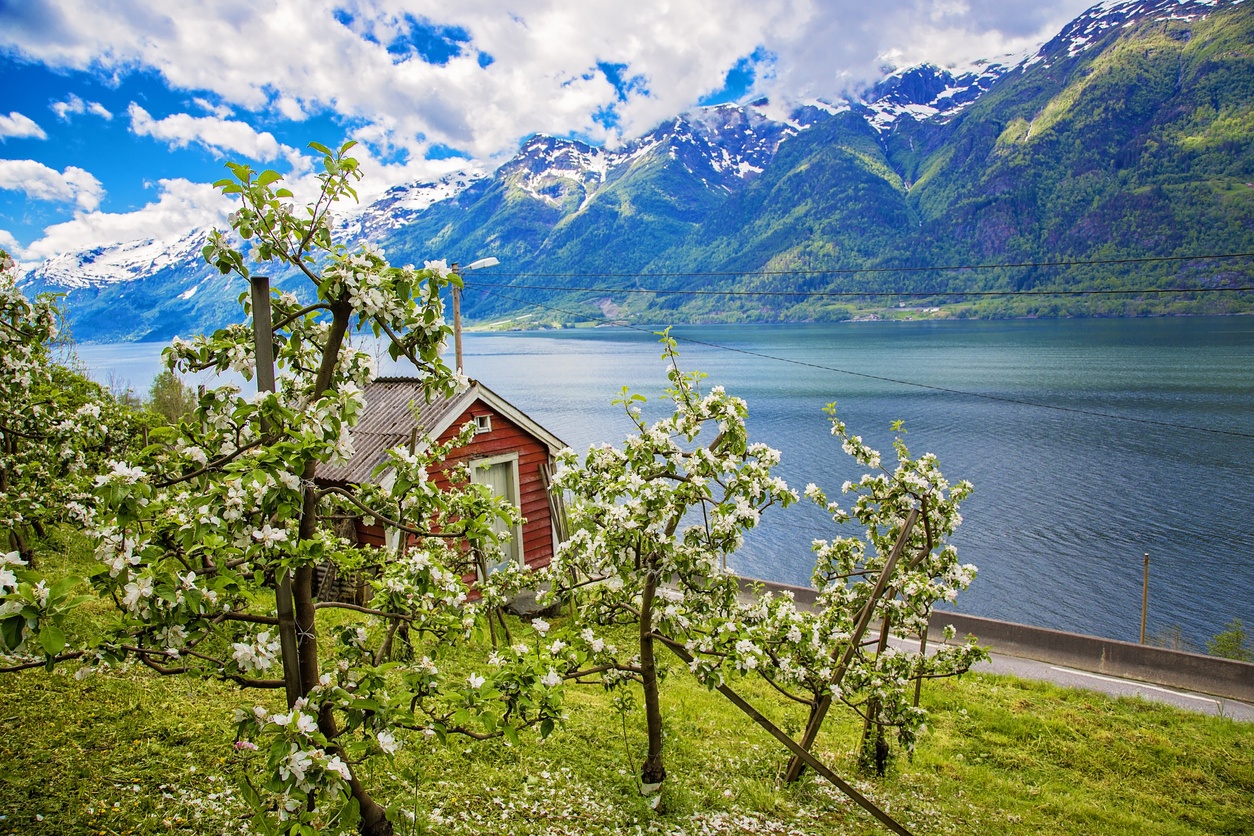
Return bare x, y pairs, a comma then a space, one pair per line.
250, 618
337, 605
288, 320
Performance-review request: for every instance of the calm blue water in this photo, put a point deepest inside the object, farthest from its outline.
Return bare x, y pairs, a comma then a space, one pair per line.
1065, 503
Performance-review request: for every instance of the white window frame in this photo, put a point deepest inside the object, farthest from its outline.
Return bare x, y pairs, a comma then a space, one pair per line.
483, 423
482, 464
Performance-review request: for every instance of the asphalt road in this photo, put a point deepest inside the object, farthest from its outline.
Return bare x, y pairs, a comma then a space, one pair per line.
1112, 685
1116, 687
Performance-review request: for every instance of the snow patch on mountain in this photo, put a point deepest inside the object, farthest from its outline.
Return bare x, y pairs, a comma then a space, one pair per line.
722, 145
927, 92
117, 263
1094, 24
399, 205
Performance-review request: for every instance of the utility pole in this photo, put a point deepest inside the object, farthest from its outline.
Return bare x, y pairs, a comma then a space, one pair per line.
457, 302
457, 320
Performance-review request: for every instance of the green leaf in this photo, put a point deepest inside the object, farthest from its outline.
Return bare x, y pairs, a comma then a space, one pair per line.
11, 629
52, 639
268, 176
61, 587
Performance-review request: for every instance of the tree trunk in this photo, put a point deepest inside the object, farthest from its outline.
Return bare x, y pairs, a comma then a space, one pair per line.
22, 546
374, 820
874, 749
652, 772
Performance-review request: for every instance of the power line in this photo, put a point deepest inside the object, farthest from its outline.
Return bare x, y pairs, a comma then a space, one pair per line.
857, 270
863, 294
865, 375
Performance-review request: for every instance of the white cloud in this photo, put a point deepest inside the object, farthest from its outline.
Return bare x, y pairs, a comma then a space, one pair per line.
74, 106
218, 110
9, 243
20, 127
299, 59
39, 182
181, 206
220, 135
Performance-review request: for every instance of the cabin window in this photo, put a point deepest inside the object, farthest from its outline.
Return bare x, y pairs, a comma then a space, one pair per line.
483, 424
501, 474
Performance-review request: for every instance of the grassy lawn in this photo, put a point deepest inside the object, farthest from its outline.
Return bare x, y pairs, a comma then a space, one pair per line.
129, 752
132, 753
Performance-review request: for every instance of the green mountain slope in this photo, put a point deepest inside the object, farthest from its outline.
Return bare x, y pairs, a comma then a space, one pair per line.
1137, 145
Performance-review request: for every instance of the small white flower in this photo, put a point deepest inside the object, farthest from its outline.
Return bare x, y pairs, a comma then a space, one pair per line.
476, 681
551, 679
268, 536
540, 626
306, 724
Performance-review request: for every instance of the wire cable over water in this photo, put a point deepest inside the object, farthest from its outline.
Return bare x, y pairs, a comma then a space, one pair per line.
897, 381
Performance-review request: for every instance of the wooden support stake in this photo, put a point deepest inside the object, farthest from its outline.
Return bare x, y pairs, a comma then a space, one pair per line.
819, 712
793, 746
284, 604
918, 683
1144, 598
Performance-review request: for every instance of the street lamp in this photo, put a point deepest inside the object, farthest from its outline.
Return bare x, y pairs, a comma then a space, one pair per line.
457, 302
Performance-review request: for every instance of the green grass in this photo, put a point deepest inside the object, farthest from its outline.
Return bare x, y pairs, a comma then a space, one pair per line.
129, 752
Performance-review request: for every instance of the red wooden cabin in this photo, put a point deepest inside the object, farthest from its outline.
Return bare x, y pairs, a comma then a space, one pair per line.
510, 451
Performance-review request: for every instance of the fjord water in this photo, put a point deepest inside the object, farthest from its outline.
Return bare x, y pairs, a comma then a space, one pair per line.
1065, 503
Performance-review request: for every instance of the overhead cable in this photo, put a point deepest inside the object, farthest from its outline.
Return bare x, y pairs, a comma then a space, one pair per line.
857, 270
897, 381
863, 294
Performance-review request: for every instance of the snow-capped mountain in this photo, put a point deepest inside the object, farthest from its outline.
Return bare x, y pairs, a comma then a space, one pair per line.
715, 182
399, 205
928, 92
1087, 30
724, 146
118, 263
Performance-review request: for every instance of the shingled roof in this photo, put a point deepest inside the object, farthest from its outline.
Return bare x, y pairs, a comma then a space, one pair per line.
388, 422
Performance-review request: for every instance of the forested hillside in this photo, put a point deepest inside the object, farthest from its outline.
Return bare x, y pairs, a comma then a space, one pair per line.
1139, 145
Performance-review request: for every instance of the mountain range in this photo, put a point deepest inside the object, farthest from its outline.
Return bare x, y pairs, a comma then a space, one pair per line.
1128, 136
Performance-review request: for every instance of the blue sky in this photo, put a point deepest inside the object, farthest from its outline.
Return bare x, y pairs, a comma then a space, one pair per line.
115, 118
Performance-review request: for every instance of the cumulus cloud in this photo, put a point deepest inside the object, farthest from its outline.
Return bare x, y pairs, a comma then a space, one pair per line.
74, 106
18, 126
9, 243
219, 110
39, 182
213, 132
180, 206
481, 74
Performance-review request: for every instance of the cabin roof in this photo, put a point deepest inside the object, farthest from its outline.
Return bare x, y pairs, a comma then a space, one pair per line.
388, 422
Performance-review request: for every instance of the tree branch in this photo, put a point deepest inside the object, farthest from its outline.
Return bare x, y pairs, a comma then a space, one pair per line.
216, 463
386, 520
61, 657
288, 320
250, 618
338, 605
